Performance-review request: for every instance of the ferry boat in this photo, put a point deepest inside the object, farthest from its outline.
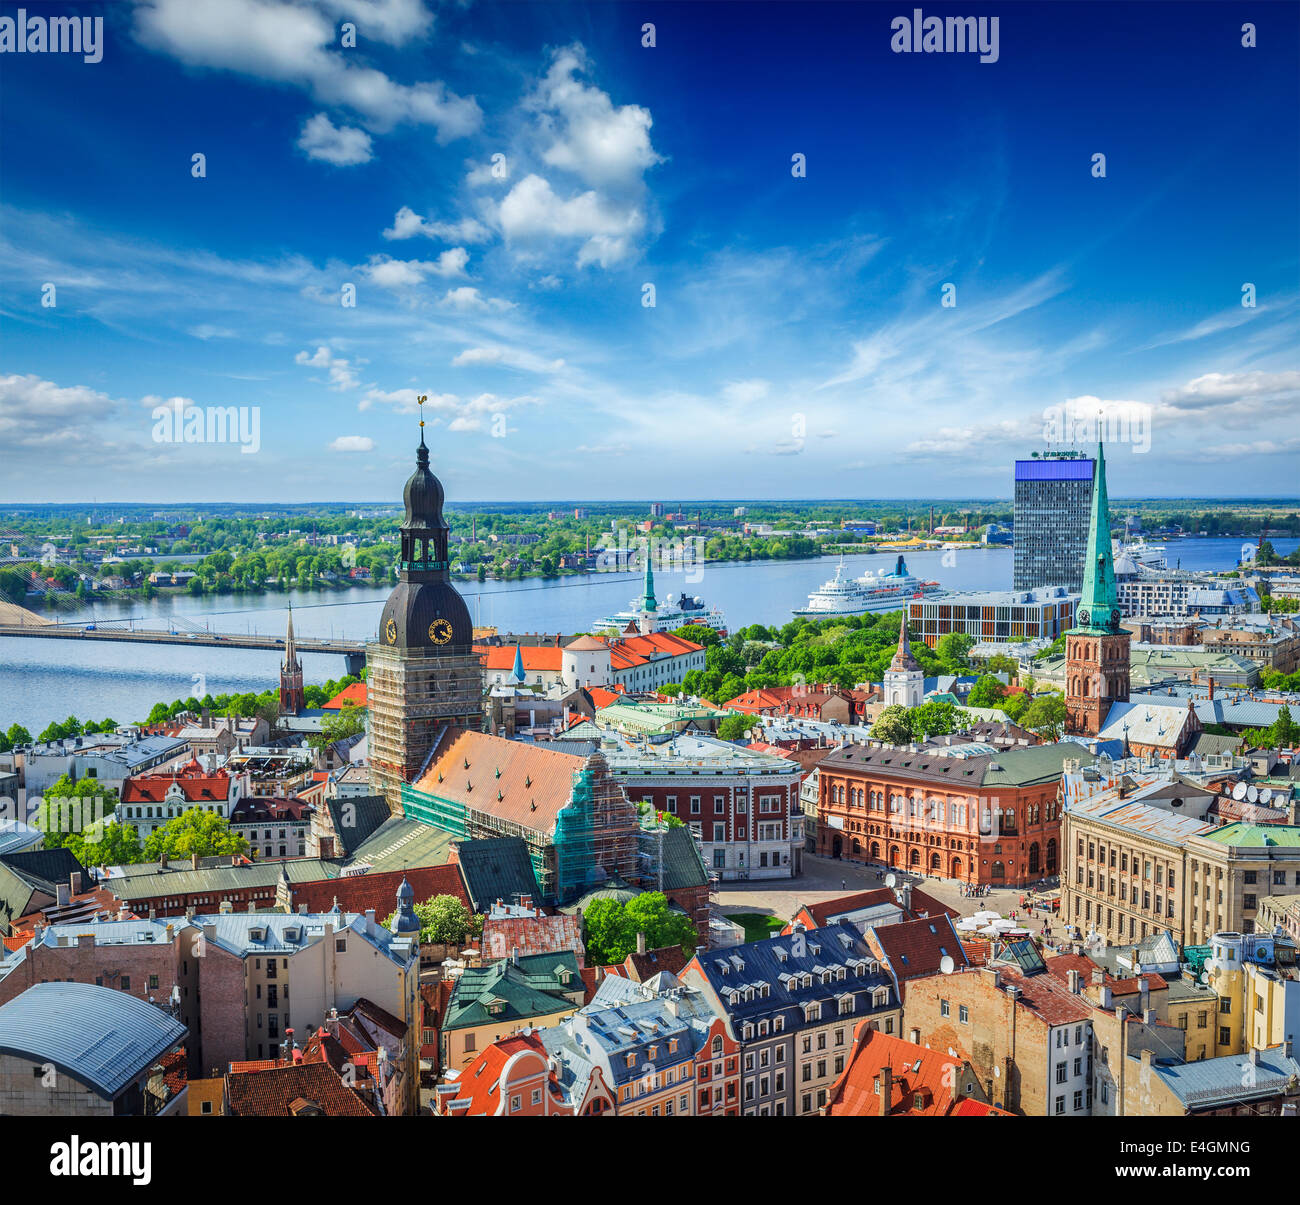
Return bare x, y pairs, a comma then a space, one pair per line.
883, 591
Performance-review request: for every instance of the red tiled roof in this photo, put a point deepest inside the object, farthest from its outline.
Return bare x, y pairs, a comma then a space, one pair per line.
921, 1084
533, 782
264, 808
196, 783
540, 658
272, 1092
478, 1082
354, 695
916, 948
532, 935
378, 889
818, 915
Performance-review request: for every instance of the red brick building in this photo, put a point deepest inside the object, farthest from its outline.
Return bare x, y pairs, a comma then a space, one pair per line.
955, 812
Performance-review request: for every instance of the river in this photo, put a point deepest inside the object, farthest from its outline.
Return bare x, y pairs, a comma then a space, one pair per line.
45, 680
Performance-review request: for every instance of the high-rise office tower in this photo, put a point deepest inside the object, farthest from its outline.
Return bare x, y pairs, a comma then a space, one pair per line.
1052, 504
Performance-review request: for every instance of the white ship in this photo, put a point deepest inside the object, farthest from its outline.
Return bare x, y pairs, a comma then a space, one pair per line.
646, 614
844, 595
1144, 555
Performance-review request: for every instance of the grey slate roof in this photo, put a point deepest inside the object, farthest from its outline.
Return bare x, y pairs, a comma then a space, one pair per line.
496, 869
1210, 1083
355, 818
46, 868
100, 1037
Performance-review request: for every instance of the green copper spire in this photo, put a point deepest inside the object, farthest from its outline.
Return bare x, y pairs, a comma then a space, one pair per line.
648, 602
1098, 609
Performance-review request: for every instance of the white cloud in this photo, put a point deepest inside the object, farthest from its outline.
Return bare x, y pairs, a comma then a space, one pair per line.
290, 43
488, 173
36, 412
407, 224
462, 414
469, 300
353, 443
532, 211
509, 357
741, 393
585, 133
408, 273
206, 330
341, 372
342, 146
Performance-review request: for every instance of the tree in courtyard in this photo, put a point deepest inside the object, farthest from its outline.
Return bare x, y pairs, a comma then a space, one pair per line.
892, 726
611, 927
987, 692
444, 920
194, 832
1046, 716
953, 650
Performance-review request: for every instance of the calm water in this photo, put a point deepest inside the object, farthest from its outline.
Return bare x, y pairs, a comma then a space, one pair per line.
42, 680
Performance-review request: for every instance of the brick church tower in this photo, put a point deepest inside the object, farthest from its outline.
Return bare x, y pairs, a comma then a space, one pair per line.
1096, 648
424, 675
290, 674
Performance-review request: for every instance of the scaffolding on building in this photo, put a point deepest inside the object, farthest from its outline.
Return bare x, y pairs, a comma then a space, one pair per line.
595, 833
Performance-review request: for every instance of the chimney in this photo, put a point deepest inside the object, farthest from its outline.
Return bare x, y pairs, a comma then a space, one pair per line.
886, 1090
1072, 979
1150, 1017
1286, 1048
640, 943
1146, 1058
194, 860
332, 1023
75, 882
370, 920
1211, 688
1098, 976
62, 896
514, 955
162, 860
1254, 1057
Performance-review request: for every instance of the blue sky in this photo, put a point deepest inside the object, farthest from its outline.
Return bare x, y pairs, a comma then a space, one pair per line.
797, 346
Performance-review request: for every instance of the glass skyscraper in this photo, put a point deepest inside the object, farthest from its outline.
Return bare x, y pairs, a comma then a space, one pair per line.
1052, 503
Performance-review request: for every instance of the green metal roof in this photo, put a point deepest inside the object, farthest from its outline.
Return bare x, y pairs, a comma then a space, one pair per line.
531, 987
1256, 835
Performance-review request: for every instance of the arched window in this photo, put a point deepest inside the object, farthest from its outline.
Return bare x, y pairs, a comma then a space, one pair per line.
999, 871
914, 858
1033, 858
1051, 855
934, 861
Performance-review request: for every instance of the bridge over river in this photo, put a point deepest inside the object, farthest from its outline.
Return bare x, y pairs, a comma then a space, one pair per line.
175, 630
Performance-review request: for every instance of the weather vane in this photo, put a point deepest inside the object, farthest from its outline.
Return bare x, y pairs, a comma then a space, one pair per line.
421, 400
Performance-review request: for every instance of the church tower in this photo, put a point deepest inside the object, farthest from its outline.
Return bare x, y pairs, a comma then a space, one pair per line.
423, 672
649, 606
904, 679
290, 674
1096, 648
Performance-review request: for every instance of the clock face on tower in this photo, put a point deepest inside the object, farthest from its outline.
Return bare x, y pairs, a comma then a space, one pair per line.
440, 631
390, 631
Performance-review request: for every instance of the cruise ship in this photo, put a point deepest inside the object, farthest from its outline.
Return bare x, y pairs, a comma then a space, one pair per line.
646, 613
844, 595
1147, 556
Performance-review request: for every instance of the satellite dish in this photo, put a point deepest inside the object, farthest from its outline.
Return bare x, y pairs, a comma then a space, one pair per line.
1265, 794
1205, 976
946, 964
891, 880
1239, 791
1251, 795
